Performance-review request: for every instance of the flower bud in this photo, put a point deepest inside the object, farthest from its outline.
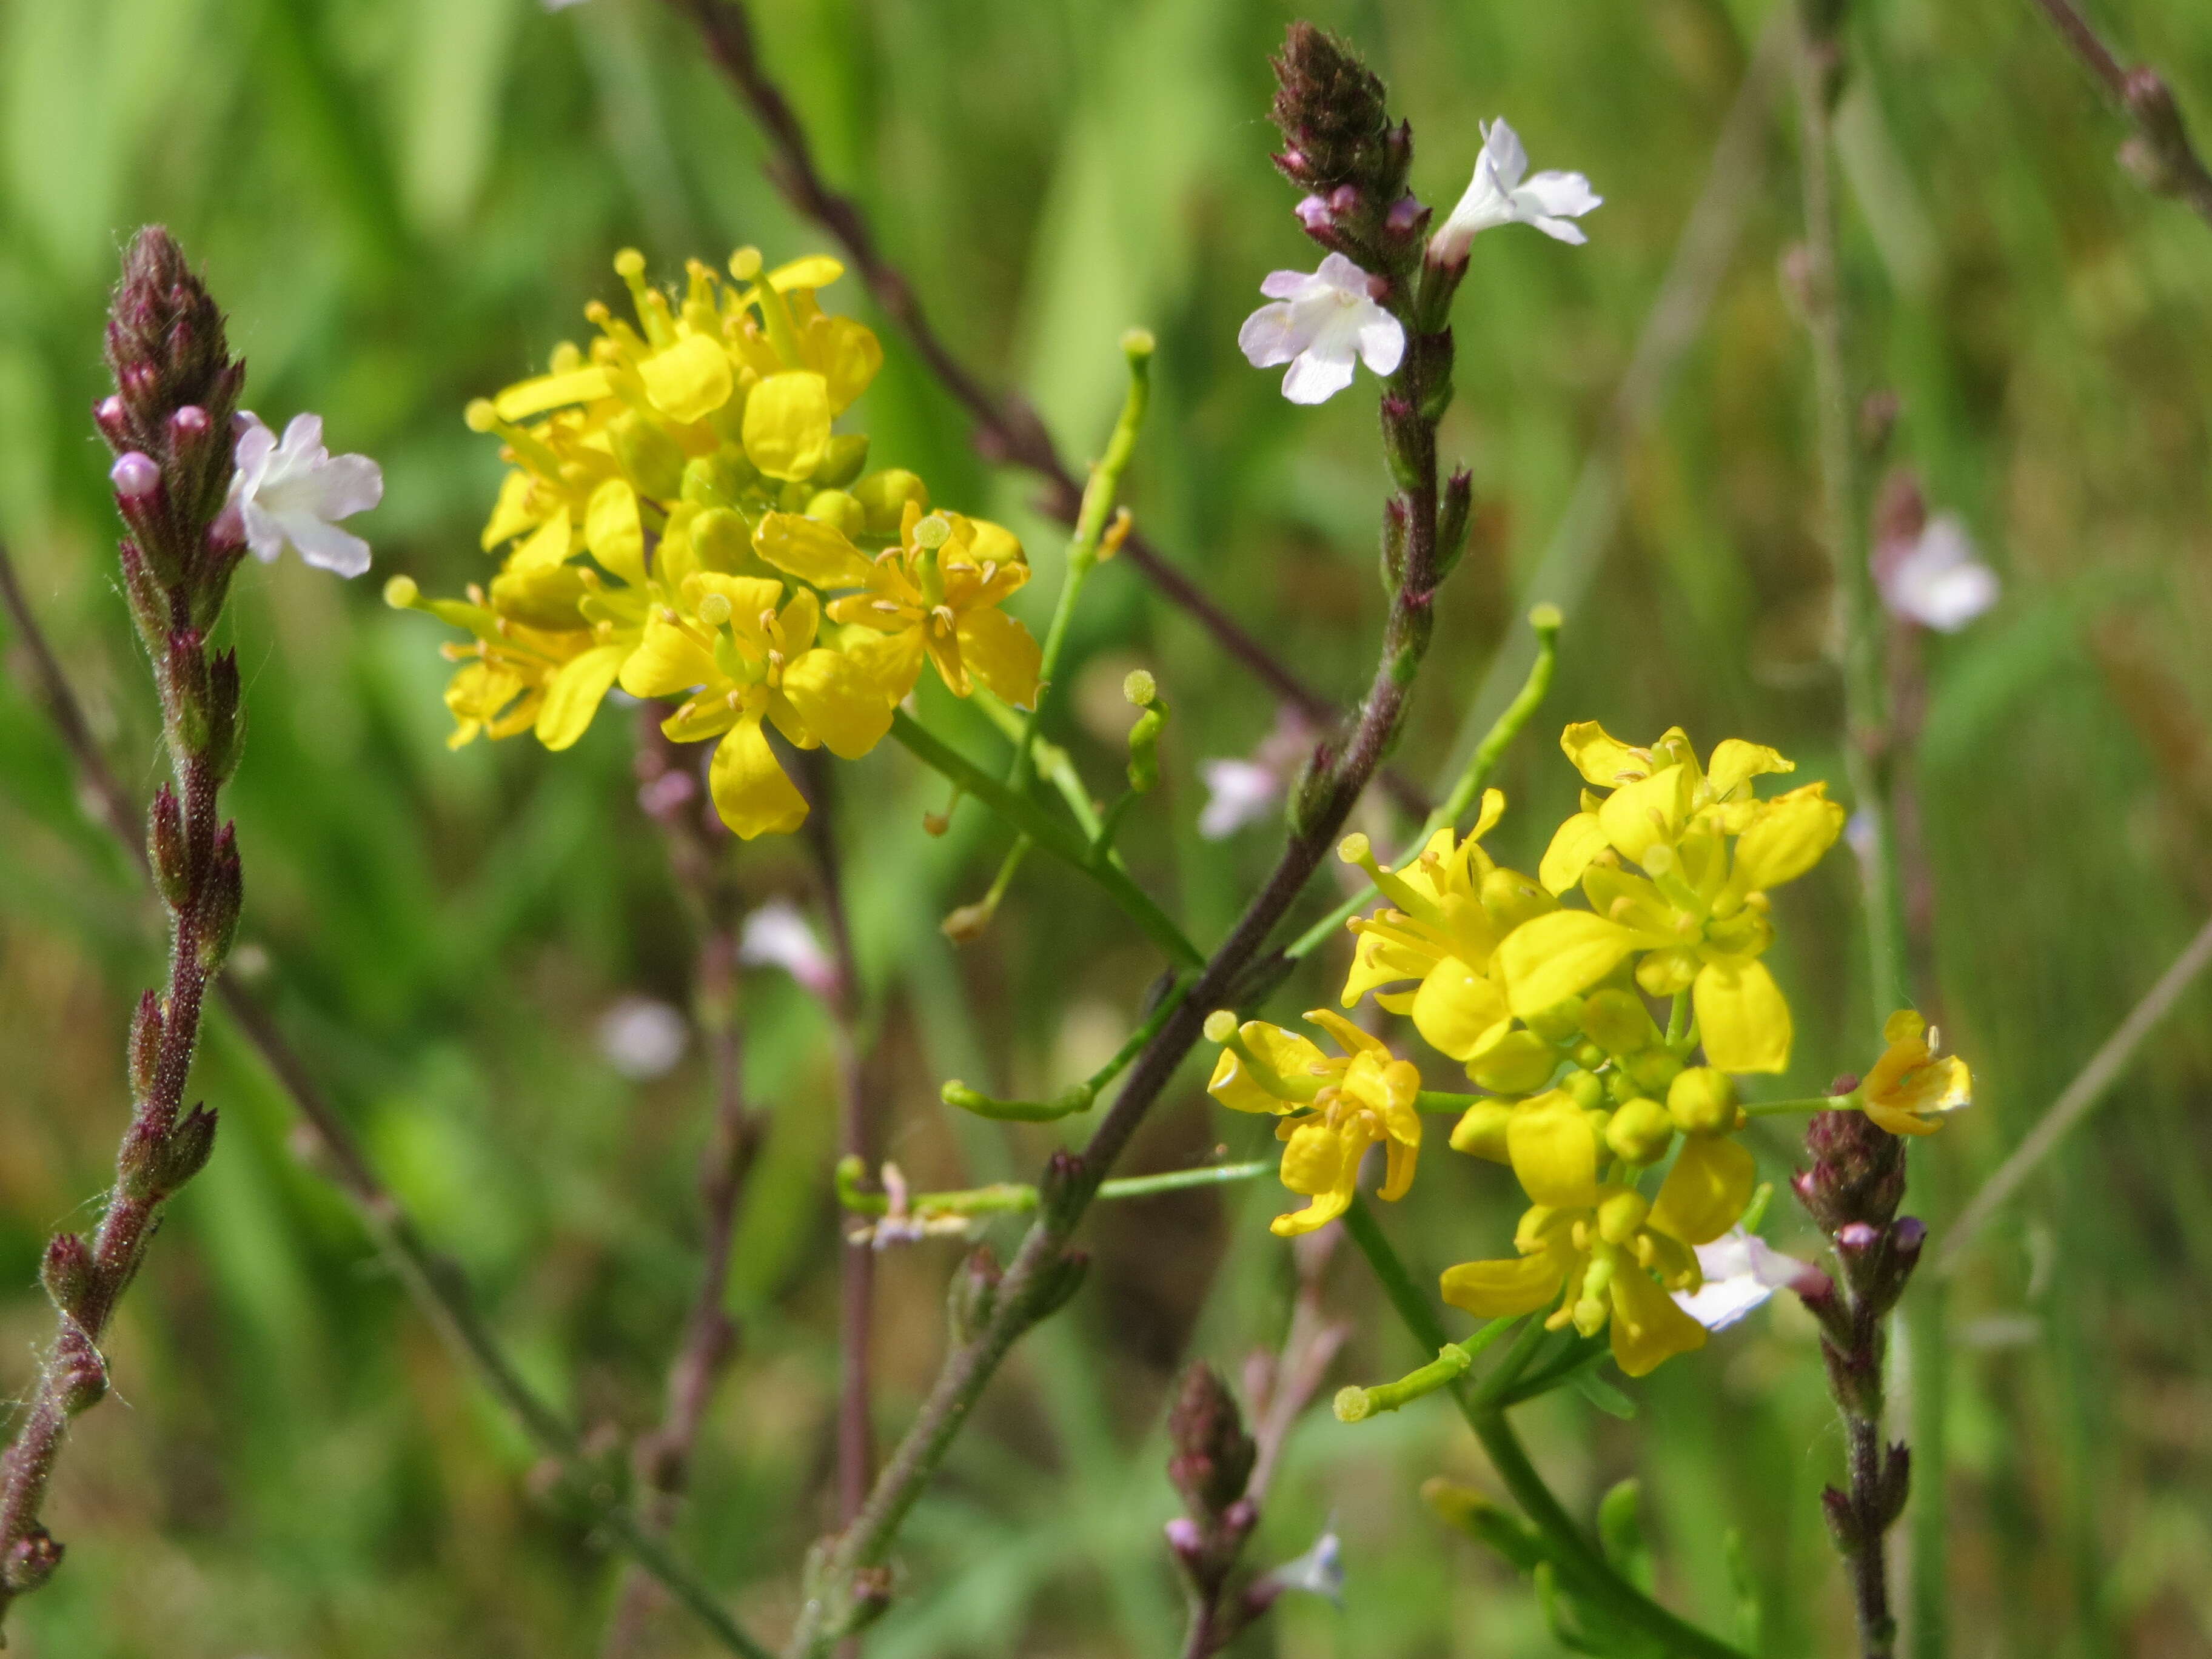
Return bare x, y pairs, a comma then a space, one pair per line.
1585, 1090
649, 458
135, 475
29, 1561
1559, 1022
79, 1373
1655, 1069
843, 460
885, 496
1702, 1101
1640, 1132
221, 896
66, 1271
839, 509
1519, 1063
1619, 1021
1212, 1455
145, 1047
973, 1294
1510, 898
166, 848
1480, 1131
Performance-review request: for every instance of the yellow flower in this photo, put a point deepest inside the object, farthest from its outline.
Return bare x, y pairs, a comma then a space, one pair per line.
1333, 1109
936, 594
1697, 915
534, 664
1614, 1253
1447, 908
1911, 1085
745, 660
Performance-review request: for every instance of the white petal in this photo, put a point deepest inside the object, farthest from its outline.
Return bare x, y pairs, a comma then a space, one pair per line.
325, 545
643, 1038
1563, 230
1945, 600
777, 936
346, 485
1341, 274
303, 442
1722, 1301
1270, 335
1314, 379
1507, 155
1238, 793
1290, 284
262, 533
1560, 195
250, 454
1381, 341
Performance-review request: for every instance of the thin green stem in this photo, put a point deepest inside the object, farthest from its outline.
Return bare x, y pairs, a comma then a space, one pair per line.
1454, 1359
1545, 621
1581, 1564
1091, 521
1848, 1102
1048, 833
1020, 1198
1080, 1098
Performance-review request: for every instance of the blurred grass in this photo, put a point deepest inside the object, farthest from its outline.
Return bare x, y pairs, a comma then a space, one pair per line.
406, 204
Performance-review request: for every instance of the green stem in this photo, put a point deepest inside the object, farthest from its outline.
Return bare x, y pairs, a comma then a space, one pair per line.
1850, 1103
1080, 1098
1454, 1359
1048, 833
1019, 1198
1091, 521
1581, 1565
1545, 620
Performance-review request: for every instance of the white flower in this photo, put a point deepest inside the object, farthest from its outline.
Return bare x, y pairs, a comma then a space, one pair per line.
1237, 792
1319, 1572
1501, 194
1742, 1270
1318, 325
296, 491
643, 1038
777, 936
1938, 581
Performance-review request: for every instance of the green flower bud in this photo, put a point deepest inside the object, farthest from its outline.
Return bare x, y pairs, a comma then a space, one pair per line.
1640, 1132
1654, 1069
1588, 1055
721, 540
1520, 1063
719, 479
649, 458
1559, 1022
842, 461
1619, 1023
544, 597
1480, 1131
1620, 1087
1702, 1101
836, 507
1585, 1090
885, 494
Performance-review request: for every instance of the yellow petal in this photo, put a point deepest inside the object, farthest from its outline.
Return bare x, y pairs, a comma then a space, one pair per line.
848, 355
511, 515
534, 396
1502, 1290
549, 545
1786, 839
1349, 1037
1706, 1192
787, 424
1552, 959
811, 550
750, 789
1233, 1084
1899, 1122
613, 532
1554, 1153
1517, 1063
1458, 1011
1649, 1326
667, 660
1906, 1025
893, 660
808, 272
1494, 808
839, 701
1743, 1019
1602, 758
1733, 760
1001, 654
690, 380
1650, 811
574, 694
1578, 841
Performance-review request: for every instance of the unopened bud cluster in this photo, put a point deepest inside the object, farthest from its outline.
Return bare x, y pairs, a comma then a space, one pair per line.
1210, 1467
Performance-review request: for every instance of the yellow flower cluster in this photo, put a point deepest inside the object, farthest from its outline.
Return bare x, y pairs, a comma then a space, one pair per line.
1545, 1005
681, 519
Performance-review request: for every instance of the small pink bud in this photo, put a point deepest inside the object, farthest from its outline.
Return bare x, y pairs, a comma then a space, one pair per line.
1313, 213
190, 421
1184, 1537
134, 476
1405, 214
1856, 1235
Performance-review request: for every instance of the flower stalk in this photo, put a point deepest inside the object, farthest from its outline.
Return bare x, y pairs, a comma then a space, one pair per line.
169, 422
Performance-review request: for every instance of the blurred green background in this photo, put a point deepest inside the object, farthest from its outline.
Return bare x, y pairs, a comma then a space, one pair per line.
404, 203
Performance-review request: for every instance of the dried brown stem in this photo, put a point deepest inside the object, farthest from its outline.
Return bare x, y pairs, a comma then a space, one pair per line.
2160, 153
1007, 429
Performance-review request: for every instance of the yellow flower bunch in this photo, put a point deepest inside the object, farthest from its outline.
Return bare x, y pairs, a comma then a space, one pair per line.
680, 518
1332, 1108
1676, 860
